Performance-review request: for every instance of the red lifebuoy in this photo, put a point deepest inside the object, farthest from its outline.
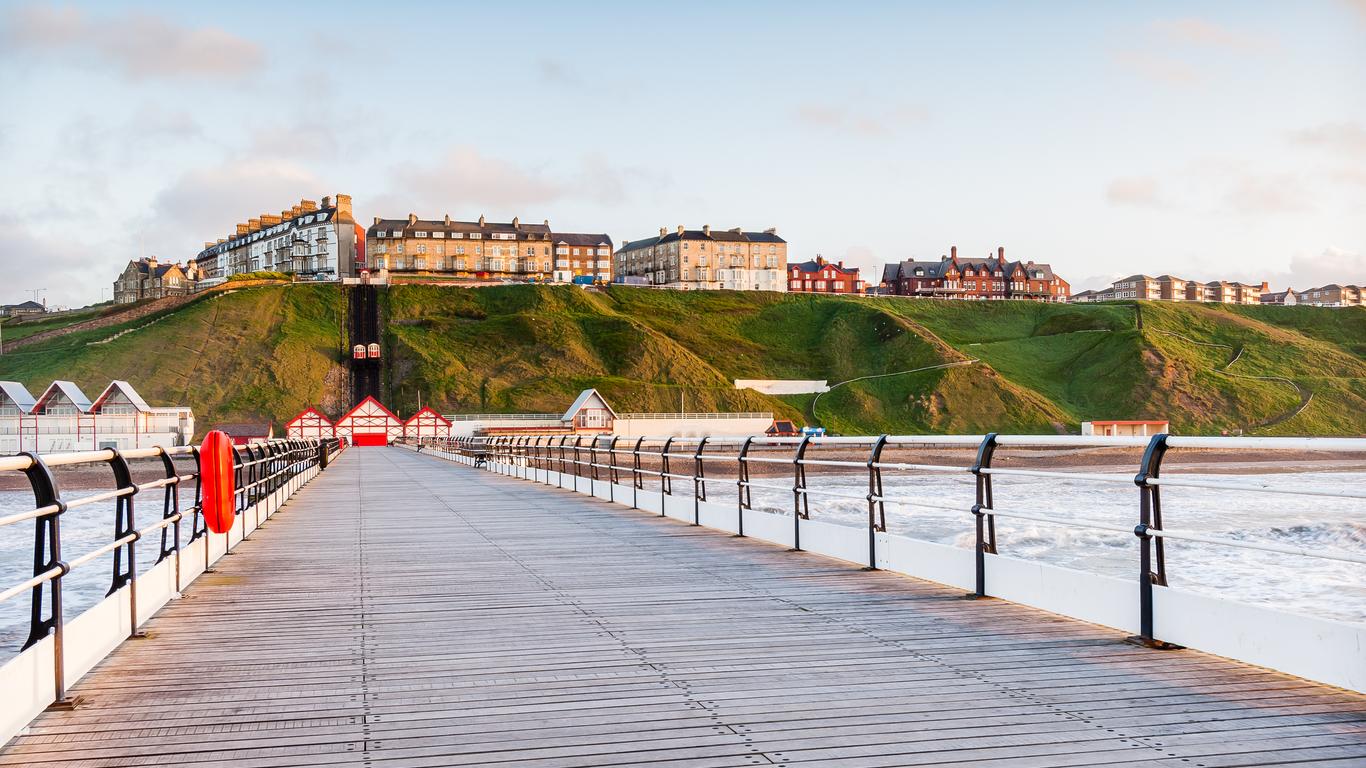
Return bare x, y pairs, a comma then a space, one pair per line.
217, 482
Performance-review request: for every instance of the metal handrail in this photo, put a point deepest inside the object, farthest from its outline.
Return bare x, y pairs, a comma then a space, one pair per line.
265, 468
704, 451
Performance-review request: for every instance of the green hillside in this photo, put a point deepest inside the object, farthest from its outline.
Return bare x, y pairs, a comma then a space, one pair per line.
1026, 367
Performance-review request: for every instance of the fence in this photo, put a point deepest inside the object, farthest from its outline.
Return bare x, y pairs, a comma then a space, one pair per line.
646, 473
60, 649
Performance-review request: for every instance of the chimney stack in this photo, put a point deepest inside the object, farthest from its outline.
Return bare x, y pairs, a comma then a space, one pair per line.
481, 219
242, 229
412, 219
1001, 252
706, 230
376, 224
308, 206
771, 231
296, 211
953, 252
516, 223
448, 219
253, 225
546, 223
151, 261
327, 201
662, 230
680, 229
344, 207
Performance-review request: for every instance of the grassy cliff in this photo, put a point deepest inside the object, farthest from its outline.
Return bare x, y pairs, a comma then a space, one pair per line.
1026, 367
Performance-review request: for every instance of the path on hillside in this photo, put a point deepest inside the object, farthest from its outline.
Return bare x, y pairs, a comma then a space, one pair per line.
1306, 396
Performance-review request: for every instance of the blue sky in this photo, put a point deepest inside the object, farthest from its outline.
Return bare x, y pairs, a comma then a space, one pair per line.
1213, 140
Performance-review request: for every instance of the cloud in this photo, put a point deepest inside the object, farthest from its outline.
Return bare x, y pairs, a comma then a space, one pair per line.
1347, 137
61, 264
1159, 68
1265, 195
828, 117
1202, 33
136, 45
1331, 265
206, 203
1139, 191
554, 72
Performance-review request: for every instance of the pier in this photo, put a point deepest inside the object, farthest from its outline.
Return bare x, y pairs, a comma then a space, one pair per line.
406, 610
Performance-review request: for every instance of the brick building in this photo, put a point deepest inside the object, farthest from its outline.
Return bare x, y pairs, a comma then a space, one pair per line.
146, 279
1332, 295
485, 250
990, 278
821, 276
706, 259
1170, 288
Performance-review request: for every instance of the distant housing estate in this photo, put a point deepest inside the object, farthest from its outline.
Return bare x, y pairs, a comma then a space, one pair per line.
1169, 288
820, 276
990, 278
486, 250
147, 279
313, 241
706, 259
1332, 295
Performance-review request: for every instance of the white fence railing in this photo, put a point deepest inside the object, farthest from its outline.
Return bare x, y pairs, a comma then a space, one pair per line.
678, 478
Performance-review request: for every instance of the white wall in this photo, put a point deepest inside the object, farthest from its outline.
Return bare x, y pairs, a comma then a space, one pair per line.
783, 386
684, 427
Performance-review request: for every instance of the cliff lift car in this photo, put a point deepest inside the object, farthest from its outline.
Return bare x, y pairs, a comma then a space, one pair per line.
358, 352
373, 351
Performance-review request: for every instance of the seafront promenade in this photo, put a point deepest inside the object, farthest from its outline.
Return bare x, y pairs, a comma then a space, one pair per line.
404, 610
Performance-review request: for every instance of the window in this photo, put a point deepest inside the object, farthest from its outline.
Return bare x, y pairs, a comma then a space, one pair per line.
438, 234
422, 248
379, 234
458, 235
420, 234
476, 235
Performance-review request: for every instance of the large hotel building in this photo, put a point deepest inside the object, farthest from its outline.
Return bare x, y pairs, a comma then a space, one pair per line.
484, 250
706, 259
314, 241
990, 278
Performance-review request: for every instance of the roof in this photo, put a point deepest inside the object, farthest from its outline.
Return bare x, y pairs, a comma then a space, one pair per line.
714, 235
128, 392
937, 269
19, 395
69, 390
574, 238
816, 266
582, 400
246, 428
309, 411
371, 400
427, 411
523, 231
25, 305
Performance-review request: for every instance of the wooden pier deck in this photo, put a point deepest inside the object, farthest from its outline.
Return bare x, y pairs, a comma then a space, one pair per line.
404, 611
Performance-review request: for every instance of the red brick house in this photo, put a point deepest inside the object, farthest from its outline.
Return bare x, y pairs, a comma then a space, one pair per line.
991, 278
821, 276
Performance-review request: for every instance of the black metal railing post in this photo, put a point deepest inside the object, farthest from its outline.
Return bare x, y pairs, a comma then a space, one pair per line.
744, 497
125, 527
612, 468
801, 505
985, 522
1152, 566
877, 509
666, 485
47, 554
699, 482
637, 480
170, 510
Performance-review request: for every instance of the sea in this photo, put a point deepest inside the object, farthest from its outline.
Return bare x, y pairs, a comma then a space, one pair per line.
1303, 585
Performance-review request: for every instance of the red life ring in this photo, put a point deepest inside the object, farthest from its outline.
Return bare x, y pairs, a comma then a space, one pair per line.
217, 481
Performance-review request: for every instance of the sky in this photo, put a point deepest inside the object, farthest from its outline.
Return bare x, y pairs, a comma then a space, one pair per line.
1212, 140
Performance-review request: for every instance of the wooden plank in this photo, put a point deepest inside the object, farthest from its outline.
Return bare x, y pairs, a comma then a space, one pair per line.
403, 610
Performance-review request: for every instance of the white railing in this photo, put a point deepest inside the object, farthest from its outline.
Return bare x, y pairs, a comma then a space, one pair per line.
677, 477
62, 648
